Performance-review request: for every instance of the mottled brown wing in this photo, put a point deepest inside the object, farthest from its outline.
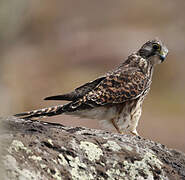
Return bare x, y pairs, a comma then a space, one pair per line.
78, 92
87, 87
118, 87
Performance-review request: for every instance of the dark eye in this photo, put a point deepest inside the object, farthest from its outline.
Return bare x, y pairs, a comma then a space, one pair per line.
156, 47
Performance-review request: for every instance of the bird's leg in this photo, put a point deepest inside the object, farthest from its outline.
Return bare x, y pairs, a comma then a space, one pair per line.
116, 126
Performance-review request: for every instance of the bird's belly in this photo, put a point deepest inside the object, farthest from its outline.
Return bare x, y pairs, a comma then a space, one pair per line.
121, 116
126, 118
99, 113
125, 115
129, 117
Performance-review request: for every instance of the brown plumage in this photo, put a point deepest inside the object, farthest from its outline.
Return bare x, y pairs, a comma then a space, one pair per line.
114, 98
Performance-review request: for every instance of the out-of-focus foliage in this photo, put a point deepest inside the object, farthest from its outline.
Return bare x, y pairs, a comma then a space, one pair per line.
50, 47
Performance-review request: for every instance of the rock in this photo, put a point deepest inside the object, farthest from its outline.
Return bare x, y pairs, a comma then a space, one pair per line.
39, 150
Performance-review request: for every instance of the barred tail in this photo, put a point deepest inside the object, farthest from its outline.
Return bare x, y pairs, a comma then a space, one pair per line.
46, 112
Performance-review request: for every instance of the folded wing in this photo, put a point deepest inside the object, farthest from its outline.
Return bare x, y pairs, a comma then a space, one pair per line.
119, 87
79, 92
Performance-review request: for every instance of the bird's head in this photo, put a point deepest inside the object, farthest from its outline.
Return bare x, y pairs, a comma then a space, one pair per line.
154, 51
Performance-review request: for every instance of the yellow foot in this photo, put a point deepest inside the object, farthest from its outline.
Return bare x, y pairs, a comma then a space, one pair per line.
134, 132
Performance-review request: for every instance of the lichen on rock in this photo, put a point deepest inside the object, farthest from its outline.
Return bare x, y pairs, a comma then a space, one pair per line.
92, 151
47, 151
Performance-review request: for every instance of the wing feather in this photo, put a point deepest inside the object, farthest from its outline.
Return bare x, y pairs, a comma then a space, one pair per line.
119, 87
79, 92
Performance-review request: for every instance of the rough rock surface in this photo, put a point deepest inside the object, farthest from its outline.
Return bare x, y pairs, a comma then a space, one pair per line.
38, 150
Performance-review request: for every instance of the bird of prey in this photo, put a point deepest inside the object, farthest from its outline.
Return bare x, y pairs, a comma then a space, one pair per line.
114, 98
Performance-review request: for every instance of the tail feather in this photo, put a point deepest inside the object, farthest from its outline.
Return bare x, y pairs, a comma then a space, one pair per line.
55, 110
46, 112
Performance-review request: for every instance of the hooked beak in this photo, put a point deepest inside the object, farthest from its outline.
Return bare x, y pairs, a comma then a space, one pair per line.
163, 53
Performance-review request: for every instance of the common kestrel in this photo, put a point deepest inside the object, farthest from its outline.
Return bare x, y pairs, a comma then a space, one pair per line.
115, 98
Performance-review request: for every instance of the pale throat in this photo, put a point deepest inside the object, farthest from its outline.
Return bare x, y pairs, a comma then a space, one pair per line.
154, 60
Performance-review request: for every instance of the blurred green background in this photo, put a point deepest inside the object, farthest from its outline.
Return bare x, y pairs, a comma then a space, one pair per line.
51, 47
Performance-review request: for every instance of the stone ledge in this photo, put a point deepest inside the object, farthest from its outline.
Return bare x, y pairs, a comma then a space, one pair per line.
40, 150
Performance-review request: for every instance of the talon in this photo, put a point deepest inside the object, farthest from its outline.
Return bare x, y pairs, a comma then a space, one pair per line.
134, 132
